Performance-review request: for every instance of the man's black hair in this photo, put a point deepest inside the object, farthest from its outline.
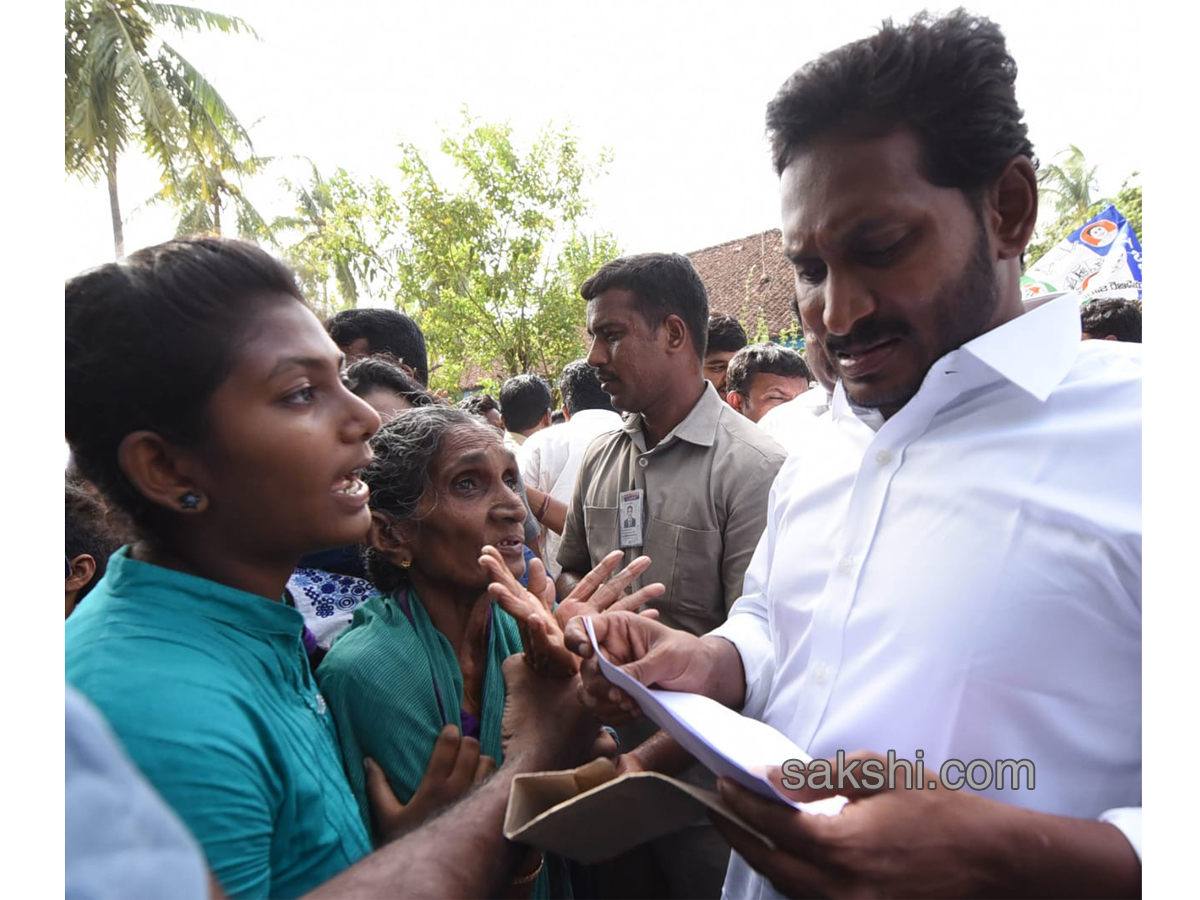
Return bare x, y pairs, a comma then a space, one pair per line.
580, 387
765, 358
1120, 318
88, 531
663, 284
382, 371
949, 79
386, 331
478, 404
524, 400
725, 334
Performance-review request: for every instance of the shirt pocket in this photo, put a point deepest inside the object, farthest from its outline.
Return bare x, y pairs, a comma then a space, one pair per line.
602, 533
694, 577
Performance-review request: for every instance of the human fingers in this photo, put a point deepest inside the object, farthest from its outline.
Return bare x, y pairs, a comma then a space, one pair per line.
791, 876
625, 577
595, 578
608, 703
799, 833
381, 799
497, 569
483, 769
631, 602
540, 585
445, 751
462, 775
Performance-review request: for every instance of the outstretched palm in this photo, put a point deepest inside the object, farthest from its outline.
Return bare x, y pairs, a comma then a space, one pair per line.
542, 625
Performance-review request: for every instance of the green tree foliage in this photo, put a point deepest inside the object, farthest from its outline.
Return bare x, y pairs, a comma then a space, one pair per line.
124, 83
206, 186
491, 267
345, 249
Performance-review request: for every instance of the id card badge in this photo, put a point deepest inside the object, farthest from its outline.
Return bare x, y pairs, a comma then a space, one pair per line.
629, 514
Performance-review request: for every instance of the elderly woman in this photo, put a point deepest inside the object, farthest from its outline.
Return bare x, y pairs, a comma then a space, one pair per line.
420, 665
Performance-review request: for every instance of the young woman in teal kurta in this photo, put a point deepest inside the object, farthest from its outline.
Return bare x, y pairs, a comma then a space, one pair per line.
204, 399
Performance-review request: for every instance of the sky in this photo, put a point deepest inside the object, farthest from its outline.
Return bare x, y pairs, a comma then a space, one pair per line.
677, 92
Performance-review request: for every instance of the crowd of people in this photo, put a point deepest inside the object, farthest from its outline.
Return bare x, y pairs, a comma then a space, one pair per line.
319, 617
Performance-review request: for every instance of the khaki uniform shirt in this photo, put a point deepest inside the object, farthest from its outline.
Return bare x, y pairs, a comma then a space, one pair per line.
705, 506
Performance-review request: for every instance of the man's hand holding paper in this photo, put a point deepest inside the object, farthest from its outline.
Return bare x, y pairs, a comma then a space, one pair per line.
654, 655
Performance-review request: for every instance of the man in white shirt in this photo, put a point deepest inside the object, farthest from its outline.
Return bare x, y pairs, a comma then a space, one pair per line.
550, 459
789, 422
525, 403
964, 591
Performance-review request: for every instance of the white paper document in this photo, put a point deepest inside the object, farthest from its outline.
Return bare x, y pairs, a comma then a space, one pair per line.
726, 742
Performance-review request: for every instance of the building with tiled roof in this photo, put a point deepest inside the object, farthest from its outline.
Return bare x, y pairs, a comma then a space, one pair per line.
751, 280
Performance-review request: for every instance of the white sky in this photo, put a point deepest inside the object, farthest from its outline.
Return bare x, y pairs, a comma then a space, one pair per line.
676, 90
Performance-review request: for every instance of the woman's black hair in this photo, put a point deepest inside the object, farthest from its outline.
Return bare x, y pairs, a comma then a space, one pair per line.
149, 339
381, 371
398, 476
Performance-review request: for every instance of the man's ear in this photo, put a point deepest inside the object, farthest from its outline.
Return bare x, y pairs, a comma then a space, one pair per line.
83, 567
676, 334
389, 538
546, 420
160, 471
734, 399
1013, 202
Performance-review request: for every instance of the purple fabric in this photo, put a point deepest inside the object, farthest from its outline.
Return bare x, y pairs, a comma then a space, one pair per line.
470, 724
310, 641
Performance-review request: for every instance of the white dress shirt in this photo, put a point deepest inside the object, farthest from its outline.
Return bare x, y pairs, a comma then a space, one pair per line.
789, 423
964, 579
550, 459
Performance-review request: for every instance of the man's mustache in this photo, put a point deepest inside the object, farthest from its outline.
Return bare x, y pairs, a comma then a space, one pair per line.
866, 333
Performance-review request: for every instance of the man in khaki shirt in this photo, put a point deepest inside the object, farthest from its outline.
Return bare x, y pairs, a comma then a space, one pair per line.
696, 472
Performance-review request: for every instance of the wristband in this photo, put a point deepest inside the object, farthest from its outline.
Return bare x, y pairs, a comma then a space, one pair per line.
532, 876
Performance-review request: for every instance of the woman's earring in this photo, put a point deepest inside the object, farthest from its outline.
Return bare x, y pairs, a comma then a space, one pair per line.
190, 500
406, 563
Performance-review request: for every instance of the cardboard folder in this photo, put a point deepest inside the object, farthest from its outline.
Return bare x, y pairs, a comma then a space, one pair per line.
591, 814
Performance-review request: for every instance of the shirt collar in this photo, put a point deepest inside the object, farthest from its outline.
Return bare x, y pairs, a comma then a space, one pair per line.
1034, 351
698, 427
169, 593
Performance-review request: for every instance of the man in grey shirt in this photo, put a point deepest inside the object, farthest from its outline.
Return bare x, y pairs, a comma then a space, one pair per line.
696, 473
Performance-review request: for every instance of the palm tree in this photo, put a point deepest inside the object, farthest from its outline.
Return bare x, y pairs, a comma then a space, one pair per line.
124, 82
208, 185
1071, 183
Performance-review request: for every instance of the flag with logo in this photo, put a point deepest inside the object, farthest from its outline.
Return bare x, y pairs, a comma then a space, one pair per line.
1102, 258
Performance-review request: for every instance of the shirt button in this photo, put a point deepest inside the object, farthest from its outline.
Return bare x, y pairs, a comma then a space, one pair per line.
846, 565
883, 457
321, 707
820, 673
642, 461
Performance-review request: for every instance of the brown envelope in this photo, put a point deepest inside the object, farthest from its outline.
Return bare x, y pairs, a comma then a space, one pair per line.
590, 814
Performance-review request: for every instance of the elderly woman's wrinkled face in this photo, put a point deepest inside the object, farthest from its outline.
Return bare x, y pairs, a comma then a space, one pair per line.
471, 501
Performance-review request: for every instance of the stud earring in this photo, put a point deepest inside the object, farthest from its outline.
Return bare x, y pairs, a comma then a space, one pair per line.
190, 500
406, 564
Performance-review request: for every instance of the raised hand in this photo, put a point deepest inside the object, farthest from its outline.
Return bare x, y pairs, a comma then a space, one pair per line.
597, 593
454, 766
541, 636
